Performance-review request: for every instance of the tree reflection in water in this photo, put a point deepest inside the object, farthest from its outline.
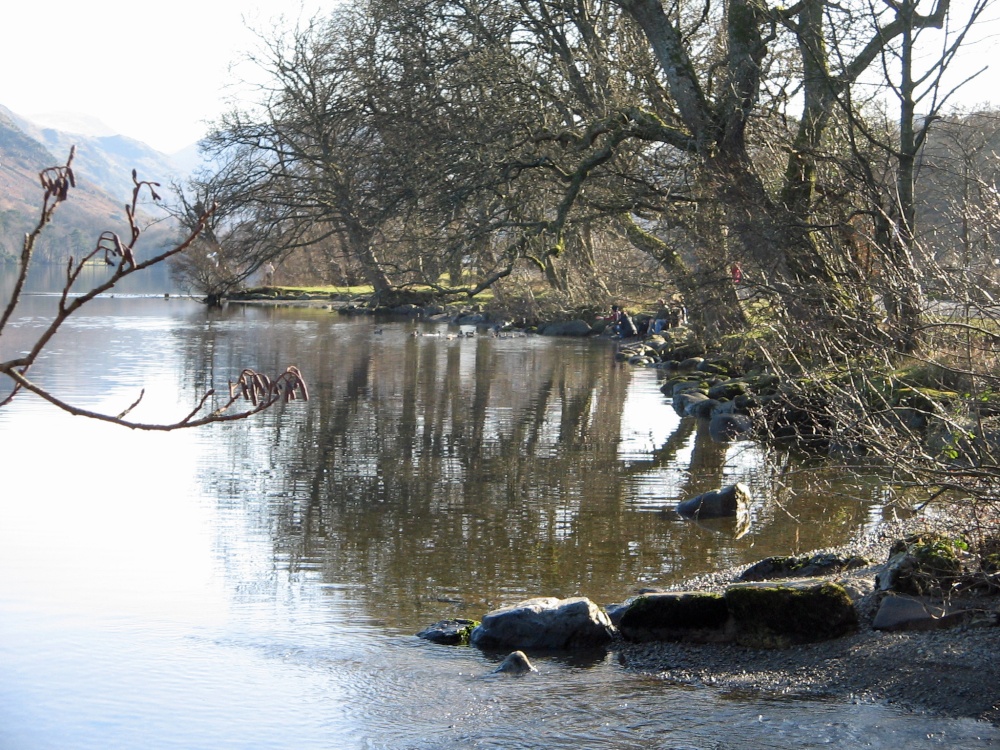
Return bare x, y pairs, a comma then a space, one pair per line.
441, 477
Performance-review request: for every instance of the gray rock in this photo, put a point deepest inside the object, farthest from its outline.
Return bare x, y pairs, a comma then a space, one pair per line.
516, 663
673, 388
407, 310
702, 408
691, 363
687, 400
919, 613
448, 632
805, 566
567, 328
470, 319
725, 427
545, 623
722, 503
615, 612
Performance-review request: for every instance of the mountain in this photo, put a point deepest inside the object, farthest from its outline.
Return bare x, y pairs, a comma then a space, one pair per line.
106, 160
72, 122
103, 168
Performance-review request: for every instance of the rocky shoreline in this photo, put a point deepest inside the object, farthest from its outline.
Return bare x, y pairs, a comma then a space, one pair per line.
952, 673
946, 667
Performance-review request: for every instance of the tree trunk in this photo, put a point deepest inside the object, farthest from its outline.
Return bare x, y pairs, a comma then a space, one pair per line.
362, 245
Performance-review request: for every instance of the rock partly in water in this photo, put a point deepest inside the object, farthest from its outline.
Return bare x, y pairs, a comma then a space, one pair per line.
726, 502
566, 328
545, 623
449, 632
685, 401
777, 615
724, 427
516, 663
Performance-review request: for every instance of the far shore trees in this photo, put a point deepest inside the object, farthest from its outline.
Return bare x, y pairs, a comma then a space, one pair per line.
454, 143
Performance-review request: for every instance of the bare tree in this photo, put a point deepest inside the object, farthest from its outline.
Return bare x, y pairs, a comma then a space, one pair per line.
260, 391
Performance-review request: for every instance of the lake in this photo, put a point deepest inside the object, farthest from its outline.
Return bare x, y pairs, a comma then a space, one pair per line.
258, 584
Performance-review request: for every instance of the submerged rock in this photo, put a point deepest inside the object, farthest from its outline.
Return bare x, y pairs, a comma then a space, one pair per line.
516, 663
729, 426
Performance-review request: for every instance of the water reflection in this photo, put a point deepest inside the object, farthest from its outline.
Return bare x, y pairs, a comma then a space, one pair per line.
447, 475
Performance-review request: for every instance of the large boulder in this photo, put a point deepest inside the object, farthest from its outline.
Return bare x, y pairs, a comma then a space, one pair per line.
773, 615
676, 616
544, 624
727, 502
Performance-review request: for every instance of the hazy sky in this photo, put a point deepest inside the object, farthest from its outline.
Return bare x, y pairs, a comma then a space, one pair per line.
152, 71
158, 72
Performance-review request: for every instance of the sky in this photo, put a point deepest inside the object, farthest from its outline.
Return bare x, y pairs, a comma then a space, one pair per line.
160, 72
157, 72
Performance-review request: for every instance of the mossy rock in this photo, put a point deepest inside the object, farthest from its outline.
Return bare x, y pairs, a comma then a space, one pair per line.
690, 363
686, 351
803, 566
746, 403
787, 614
677, 386
716, 366
673, 616
764, 383
727, 390
449, 632
922, 564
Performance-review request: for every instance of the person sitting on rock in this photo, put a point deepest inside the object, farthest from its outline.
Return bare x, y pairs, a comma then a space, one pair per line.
662, 318
626, 326
613, 318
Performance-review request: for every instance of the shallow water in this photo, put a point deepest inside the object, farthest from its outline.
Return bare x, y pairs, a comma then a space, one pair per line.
258, 584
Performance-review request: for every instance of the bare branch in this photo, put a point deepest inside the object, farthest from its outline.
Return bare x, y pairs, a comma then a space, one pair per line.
56, 182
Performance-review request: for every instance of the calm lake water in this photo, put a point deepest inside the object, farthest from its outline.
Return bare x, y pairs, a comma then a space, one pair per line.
259, 584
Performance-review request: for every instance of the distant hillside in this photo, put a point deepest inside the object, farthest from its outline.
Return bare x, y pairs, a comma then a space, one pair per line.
103, 166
